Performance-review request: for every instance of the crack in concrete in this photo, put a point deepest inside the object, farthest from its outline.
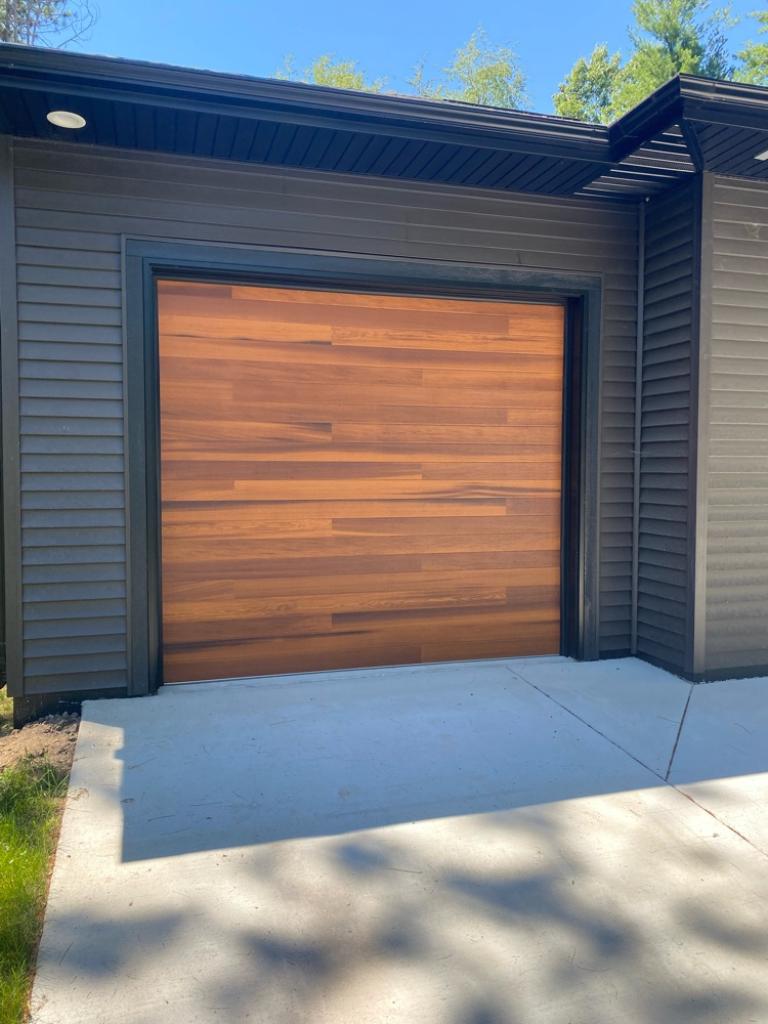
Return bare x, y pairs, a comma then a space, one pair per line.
662, 778
719, 820
583, 721
679, 733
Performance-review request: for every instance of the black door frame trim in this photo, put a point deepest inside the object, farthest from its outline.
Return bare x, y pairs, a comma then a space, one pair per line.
147, 260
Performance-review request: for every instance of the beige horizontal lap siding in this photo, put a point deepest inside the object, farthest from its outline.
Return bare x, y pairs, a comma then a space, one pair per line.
73, 206
737, 457
664, 579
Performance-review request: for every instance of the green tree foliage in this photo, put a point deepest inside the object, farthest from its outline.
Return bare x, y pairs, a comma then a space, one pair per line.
673, 36
668, 37
484, 73
326, 70
45, 22
754, 57
480, 72
587, 92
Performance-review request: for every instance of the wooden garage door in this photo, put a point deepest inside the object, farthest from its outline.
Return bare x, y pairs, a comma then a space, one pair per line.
356, 479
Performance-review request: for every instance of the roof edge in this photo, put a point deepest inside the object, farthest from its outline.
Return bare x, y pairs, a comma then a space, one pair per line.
148, 75
682, 100
654, 114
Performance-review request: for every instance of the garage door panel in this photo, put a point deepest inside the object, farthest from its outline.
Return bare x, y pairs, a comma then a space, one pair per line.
313, 654
239, 401
179, 446
427, 454
487, 619
184, 353
274, 574
195, 517
223, 402
197, 333
344, 536
361, 541
528, 473
190, 590
483, 622
328, 490
353, 479
252, 579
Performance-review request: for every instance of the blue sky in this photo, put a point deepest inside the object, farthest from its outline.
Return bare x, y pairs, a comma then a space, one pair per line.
388, 39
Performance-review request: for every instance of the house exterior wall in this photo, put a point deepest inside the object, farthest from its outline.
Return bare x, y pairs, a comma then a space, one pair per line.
733, 447
73, 209
667, 444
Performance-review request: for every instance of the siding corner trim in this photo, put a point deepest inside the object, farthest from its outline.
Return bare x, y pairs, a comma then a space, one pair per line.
9, 368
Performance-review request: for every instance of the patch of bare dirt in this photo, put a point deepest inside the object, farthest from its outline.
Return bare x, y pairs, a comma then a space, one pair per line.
52, 737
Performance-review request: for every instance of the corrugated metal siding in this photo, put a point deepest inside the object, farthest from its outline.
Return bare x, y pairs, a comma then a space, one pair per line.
664, 581
737, 459
73, 206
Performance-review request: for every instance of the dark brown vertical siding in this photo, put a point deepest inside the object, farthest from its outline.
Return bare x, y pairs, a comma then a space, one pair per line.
735, 458
664, 578
73, 207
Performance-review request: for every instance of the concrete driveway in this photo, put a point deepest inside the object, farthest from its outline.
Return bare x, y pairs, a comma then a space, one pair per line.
496, 843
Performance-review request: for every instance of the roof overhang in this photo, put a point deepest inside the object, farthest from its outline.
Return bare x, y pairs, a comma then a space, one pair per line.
145, 106
725, 124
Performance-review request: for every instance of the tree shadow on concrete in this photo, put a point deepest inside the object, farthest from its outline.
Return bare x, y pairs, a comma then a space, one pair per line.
513, 918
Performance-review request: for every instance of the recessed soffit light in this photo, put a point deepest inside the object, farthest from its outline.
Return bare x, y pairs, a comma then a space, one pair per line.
762, 156
66, 119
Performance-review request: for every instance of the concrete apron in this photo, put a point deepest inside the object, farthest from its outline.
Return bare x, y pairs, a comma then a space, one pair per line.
488, 843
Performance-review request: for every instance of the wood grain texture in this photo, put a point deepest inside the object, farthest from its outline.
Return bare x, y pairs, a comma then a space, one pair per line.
356, 479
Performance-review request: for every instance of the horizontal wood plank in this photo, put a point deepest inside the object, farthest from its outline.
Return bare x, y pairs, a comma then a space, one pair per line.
354, 479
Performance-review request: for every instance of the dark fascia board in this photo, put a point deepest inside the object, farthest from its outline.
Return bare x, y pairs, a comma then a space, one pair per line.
686, 99
295, 102
642, 123
730, 104
734, 95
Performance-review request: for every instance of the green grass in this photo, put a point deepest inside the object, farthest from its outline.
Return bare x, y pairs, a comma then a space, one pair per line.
6, 712
30, 794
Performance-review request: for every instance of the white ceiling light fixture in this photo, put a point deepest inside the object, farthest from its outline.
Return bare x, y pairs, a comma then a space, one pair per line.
762, 156
66, 119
